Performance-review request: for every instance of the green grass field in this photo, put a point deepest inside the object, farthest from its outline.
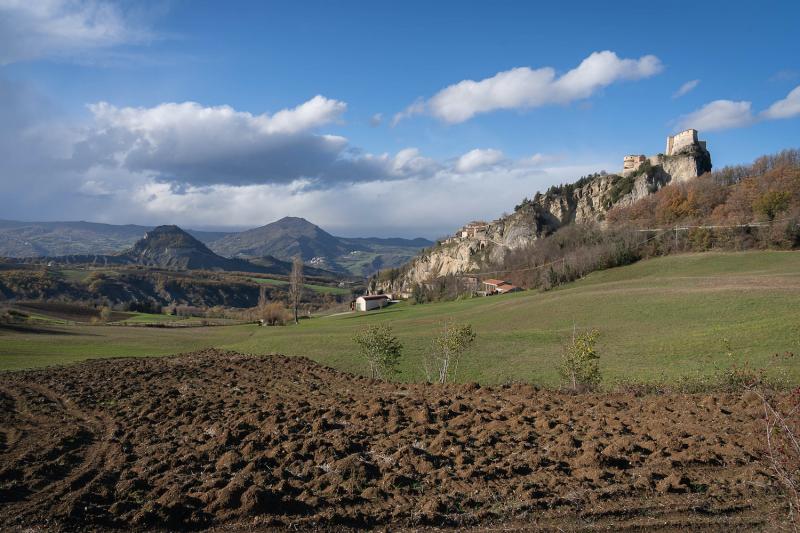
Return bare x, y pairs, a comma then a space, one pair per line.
667, 317
316, 288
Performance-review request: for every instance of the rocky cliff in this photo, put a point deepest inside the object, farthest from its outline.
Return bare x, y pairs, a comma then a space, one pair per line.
584, 202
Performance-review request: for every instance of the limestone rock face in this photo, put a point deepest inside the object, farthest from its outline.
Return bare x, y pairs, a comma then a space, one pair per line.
690, 163
585, 202
459, 255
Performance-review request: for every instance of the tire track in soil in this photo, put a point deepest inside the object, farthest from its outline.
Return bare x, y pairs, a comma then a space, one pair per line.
93, 443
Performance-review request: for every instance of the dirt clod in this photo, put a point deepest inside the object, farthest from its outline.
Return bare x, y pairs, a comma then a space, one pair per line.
222, 440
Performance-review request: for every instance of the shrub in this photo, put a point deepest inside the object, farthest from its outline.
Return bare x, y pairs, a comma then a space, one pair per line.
448, 348
273, 314
782, 435
771, 203
105, 314
380, 348
580, 364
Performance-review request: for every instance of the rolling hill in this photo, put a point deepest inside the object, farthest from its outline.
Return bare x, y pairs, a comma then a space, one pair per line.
670, 317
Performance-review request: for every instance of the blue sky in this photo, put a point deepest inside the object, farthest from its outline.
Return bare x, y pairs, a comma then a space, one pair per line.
151, 113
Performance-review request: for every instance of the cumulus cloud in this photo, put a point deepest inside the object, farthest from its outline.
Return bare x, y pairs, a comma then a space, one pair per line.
786, 108
478, 158
524, 87
719, 115
61, 28
725, 114
191, 143
686, 88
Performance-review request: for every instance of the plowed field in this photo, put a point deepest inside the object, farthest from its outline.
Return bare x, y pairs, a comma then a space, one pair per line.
226, 441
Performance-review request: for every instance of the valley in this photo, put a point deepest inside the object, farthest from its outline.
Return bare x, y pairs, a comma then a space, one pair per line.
399, 267
665, 318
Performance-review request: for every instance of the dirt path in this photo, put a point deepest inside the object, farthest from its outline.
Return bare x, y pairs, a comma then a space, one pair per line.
219, 440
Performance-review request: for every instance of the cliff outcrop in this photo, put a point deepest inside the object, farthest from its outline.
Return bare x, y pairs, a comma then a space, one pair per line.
478, 245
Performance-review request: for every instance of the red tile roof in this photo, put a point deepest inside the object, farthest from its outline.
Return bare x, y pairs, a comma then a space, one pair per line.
508, 288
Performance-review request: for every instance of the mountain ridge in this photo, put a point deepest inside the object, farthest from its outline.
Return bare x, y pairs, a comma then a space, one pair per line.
171, 248
294, 236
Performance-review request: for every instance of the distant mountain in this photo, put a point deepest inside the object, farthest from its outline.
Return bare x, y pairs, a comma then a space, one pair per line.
285, 239
274, 244
37, 239
171, 248
292, 236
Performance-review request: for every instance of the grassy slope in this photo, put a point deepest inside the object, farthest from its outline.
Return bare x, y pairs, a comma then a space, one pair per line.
68, 344
665, 316
316, 288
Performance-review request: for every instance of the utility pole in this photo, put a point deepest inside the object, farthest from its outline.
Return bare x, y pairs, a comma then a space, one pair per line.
676, 236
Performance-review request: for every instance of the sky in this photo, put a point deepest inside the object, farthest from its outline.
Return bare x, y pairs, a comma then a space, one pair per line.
369, 118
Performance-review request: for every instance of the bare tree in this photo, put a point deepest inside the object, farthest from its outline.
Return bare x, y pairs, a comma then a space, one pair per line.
262, 299
441, 363
296, 285
380, 348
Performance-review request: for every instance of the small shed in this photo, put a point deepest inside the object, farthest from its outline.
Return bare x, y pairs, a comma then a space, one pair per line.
373, 301
493, 285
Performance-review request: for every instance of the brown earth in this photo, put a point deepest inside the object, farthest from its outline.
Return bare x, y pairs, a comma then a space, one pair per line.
226, 441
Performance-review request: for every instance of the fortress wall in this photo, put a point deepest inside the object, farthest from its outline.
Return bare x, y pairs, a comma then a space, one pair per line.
681, 140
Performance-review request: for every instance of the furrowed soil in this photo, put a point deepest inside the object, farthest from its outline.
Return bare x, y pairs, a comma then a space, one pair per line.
225, 441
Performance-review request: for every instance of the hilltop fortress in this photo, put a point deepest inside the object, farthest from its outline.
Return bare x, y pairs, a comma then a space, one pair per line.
685, 157
586, 201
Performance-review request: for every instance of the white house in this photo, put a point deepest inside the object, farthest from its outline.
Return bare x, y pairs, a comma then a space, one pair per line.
373, 301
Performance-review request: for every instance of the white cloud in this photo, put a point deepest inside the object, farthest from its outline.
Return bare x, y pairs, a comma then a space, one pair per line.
31, 29
409, 162
311, 114
539, 160
686, 88
190, 118
417, 108
787, 108
477, 159
523, 87
719, 115
725, 114
376, 120
190, 143
390, 207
